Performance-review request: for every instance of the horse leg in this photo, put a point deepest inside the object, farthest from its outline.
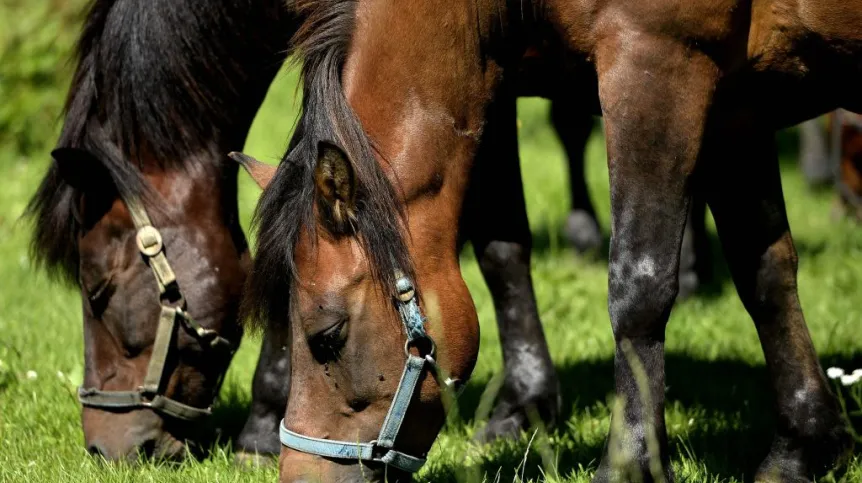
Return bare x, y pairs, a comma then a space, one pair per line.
695, 266
655, 95
270, 388
496, 223
573, 126
752, 225
813, 155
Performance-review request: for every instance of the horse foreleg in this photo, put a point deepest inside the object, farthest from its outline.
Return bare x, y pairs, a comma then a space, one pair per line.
752, 225
270, 388
496, 223
574, 125
655, 95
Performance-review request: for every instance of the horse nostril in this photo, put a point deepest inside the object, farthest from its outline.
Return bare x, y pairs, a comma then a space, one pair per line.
147, 449
96, 451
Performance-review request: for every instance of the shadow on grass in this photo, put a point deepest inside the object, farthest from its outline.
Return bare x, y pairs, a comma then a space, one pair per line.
732, 397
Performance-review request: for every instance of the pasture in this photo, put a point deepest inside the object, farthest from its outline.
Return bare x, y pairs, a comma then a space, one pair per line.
718, 401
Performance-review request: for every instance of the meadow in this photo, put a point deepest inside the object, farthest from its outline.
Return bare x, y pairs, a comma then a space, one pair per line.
718, 401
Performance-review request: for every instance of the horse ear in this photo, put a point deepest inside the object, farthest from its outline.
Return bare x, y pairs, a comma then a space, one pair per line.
260, 172
81, 169
336, 182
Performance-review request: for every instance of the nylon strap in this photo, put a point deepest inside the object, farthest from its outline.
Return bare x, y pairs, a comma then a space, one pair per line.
127, 400
161, 346
151, 246
381, 450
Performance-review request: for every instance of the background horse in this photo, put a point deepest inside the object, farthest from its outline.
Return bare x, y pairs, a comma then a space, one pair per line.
162, 92
691, 98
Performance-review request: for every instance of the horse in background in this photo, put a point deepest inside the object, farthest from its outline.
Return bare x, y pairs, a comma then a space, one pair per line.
139, 210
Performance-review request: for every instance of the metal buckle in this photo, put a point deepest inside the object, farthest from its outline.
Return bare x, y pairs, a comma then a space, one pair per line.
149, 240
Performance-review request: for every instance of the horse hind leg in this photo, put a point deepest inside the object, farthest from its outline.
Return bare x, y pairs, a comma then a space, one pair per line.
497, 226
753, 228
813, 155
574, 125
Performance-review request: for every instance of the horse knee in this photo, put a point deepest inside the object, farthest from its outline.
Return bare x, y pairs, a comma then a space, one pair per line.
640, 297
774, 282
502, 260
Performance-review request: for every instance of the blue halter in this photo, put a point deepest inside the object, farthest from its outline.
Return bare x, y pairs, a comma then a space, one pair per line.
380, 450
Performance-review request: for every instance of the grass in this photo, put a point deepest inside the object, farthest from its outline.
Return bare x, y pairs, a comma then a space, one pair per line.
718, 402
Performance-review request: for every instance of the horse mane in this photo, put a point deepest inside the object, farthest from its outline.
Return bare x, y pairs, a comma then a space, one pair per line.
287, 207
157, 83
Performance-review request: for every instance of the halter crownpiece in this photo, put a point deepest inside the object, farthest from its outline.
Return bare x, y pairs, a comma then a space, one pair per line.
381, 449
149, 394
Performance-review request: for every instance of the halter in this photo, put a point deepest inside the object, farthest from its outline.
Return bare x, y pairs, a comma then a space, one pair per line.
381, 449
151, 394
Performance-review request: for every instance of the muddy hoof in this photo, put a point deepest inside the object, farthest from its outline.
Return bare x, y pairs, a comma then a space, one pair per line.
582, 232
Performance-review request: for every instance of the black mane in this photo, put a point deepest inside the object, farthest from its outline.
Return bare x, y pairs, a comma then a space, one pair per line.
286, 208
168, 82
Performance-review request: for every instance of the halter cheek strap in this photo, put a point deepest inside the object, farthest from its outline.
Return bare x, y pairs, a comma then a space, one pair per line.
149, 394
381, 449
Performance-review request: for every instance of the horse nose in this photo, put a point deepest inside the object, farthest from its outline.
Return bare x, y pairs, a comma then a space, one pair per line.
144, 450
147, 449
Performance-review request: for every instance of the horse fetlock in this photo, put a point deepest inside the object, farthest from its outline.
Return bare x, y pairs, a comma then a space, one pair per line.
812, 439
632, 466
582, 232
523, 406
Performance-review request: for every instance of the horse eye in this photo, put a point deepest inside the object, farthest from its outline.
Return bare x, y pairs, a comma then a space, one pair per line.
327, 344
99, 296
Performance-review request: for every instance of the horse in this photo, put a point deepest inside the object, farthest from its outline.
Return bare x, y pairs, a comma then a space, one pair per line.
359, 228
139, 210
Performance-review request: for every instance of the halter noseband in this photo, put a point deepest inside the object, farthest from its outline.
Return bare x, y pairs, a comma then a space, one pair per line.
381, 449
150, 394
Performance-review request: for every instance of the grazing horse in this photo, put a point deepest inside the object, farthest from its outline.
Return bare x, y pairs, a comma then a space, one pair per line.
359, 227
139, 208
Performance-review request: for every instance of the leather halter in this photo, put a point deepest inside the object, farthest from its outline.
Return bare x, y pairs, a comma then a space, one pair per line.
150, 395
381, 449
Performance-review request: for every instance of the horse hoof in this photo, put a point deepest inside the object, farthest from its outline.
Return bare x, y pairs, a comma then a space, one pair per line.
497, 428
511, 418
582, 231
604, 474
799, 461
689, 282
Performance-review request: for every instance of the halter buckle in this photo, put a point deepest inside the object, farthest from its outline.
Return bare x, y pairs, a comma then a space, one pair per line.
149, 240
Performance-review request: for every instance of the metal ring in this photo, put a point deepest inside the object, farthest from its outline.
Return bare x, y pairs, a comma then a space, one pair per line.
409, 343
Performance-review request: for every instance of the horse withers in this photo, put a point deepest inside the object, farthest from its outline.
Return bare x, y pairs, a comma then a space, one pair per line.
139, 209
363, 214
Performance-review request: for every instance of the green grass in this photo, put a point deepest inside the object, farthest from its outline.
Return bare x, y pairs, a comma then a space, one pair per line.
718, 402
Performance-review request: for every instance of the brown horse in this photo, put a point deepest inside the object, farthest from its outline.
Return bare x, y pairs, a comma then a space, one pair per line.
161, 92
400, 113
